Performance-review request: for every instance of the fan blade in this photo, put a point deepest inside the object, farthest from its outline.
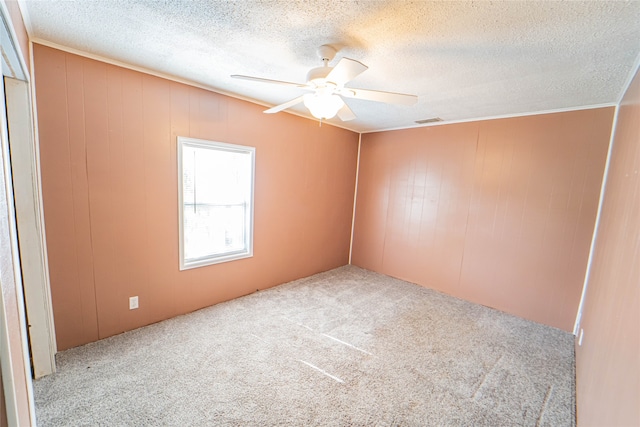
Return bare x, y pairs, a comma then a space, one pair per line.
345, 71
261, 80
379, 96
345, 114
284, 106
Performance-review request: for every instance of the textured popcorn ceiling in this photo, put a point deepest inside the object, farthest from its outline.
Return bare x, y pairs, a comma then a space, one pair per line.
464, 60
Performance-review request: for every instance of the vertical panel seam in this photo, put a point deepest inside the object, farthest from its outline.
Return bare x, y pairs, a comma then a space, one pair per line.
109, 187
86, 162
386, 220
567, 207
466, 224
147, 270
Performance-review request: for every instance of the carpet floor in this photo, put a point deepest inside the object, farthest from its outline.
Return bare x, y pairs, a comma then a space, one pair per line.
347, 347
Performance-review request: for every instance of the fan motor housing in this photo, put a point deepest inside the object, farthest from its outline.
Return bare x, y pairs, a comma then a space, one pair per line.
318, 73
326, 52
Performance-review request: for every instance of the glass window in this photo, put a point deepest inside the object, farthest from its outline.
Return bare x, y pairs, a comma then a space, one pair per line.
215, 201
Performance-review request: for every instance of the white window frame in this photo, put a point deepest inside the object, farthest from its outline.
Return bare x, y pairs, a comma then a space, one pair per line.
183, 141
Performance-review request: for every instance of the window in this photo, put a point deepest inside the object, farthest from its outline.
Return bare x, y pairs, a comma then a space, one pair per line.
215, 201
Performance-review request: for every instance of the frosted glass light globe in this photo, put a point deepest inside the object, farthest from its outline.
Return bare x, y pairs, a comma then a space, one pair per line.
323, 106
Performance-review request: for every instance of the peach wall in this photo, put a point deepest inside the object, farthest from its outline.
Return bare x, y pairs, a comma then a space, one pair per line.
608, 362
498, 212
108, 155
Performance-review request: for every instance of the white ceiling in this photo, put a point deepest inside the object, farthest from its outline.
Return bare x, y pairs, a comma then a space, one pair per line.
464, 60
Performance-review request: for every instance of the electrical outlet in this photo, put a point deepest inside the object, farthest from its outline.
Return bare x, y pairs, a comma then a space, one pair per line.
581, 336
133, 303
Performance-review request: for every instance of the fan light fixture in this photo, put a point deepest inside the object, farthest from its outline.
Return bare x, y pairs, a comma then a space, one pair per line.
327, 86
323, 106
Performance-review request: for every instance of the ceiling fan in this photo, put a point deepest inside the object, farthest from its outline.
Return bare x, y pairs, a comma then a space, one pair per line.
326, 85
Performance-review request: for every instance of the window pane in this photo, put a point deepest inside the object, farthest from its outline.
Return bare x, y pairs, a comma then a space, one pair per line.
217, 183
213, 229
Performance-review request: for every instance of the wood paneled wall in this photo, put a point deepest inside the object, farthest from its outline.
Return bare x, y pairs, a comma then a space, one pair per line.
498, 212
608, 361
109, 171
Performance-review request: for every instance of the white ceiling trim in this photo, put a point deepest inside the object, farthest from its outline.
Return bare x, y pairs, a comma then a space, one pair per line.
504, 116
231, 95
171, 78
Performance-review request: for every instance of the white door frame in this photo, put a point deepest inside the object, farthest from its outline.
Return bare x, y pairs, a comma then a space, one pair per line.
24, 171
30, 224
14, 351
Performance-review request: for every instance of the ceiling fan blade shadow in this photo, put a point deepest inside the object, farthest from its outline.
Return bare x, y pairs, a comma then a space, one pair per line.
345, 71
284, 106
261, 80
345, 114
379, 96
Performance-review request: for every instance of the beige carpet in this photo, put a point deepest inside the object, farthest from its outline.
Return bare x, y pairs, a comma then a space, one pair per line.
345, 347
